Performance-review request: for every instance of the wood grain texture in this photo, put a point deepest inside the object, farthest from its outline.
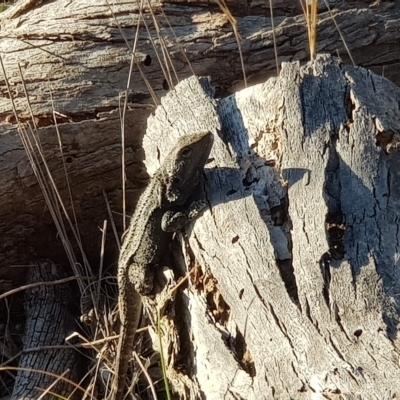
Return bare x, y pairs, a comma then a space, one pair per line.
47, 355
304, 252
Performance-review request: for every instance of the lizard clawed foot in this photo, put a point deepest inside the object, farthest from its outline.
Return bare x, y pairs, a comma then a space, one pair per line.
175, 221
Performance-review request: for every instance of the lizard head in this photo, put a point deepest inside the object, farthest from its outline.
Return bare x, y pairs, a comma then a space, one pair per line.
185, 164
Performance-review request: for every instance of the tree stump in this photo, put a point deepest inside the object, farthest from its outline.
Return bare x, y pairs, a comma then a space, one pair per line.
298, 291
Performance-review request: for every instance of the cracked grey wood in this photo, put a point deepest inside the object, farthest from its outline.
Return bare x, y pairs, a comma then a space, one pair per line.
48, 323
326, 126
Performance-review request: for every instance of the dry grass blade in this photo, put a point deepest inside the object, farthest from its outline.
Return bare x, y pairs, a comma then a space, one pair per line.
35, 154
42, 348
50, 192
26, 96
182, 50
98, 285
122, 119
54, 201
33, 148
310, 10
55, 376
164, 67
340, 33
167, 57
110, 215
48, 390
224, 8
271, 7
37, 284
146, 81
162, 360
60, 146
122, 115
146, 374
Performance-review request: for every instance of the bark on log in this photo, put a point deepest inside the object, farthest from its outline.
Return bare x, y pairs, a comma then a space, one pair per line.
48, 323
301, 236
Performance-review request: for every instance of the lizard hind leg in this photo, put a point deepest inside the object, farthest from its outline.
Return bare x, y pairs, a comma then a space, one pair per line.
142, 277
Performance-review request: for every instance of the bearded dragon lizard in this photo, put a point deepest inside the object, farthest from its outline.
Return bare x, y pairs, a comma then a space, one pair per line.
174, 197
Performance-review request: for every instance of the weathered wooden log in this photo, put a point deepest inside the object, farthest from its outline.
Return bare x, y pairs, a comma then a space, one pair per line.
298, 296
47, 363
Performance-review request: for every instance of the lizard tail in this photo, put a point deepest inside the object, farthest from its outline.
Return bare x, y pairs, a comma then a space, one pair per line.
129, 300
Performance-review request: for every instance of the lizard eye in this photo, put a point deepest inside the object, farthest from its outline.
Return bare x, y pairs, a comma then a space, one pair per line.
186, 152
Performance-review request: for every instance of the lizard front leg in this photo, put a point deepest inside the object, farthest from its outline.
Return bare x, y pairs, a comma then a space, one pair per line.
173, 221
